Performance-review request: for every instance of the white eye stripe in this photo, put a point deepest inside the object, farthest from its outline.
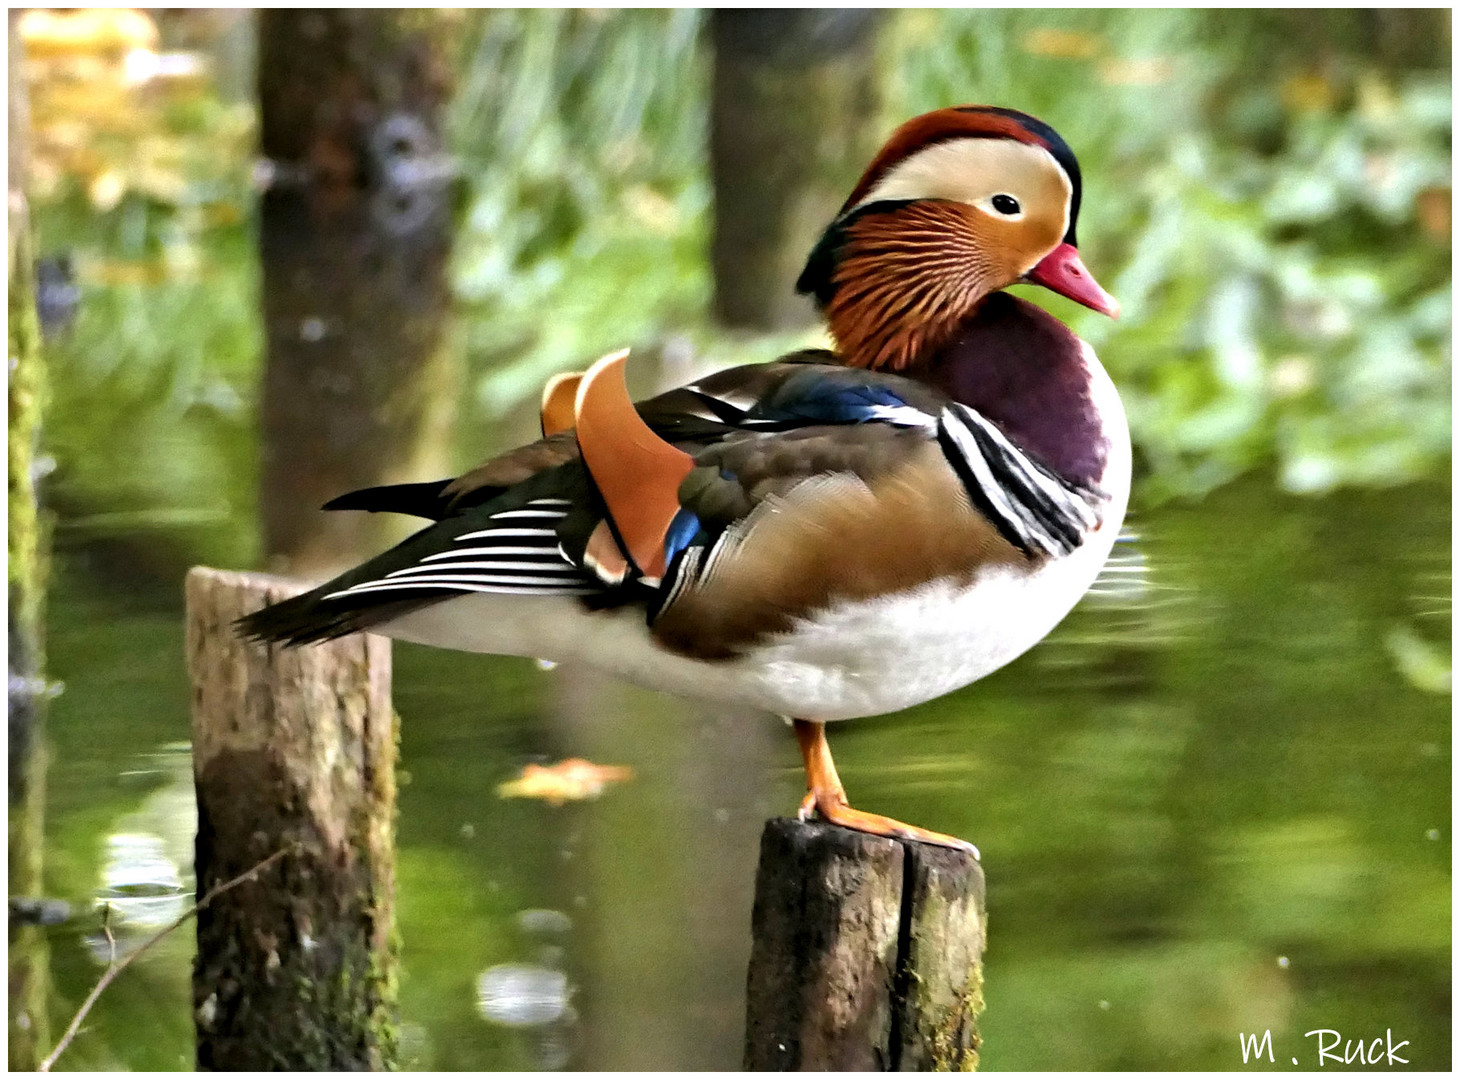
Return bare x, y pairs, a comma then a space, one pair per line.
975, 170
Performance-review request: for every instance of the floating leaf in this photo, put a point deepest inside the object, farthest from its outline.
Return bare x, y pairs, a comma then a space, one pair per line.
567, 781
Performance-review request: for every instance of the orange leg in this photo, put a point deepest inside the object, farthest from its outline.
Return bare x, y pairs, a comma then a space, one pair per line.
828, 798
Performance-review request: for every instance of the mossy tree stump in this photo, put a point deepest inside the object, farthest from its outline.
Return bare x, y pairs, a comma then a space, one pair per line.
293, 749
867, 953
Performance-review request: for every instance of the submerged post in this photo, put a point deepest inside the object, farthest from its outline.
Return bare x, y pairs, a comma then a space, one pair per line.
292, 749
867, 953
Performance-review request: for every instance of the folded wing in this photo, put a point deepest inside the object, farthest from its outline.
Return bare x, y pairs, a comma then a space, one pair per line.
744, 476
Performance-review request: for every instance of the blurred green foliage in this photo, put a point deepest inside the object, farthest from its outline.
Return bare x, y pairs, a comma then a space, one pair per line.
582, 135
146, 184
1275, 226
1275, 221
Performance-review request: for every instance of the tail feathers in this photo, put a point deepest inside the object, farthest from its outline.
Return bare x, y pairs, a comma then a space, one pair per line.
419, 500
306, 618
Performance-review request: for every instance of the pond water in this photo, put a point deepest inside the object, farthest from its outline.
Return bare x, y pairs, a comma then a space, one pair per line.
1216, 801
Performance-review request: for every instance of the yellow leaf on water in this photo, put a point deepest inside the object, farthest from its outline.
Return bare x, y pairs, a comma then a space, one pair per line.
567, 781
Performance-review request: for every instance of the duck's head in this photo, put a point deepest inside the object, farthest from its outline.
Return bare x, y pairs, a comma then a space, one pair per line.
958, 204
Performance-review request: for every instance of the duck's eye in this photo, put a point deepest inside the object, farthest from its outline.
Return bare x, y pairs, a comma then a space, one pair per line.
1005, 204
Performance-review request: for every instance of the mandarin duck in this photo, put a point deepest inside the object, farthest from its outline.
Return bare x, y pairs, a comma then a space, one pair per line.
835, 534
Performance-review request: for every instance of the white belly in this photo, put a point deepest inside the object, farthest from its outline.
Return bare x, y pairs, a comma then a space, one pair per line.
855, 659
860, 658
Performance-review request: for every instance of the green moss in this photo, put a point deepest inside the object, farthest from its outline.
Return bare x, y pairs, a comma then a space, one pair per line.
385, 1016
948, 1055
355, 1010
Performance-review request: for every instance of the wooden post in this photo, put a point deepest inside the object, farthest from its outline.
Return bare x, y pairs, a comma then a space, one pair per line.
867, 953
292, 749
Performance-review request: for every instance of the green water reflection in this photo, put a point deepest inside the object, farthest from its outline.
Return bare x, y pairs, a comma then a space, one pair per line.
1212, 803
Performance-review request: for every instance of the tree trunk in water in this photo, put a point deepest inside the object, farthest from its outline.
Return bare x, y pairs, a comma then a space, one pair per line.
355, 234
663, 943
791, 112
29, 957
293, 750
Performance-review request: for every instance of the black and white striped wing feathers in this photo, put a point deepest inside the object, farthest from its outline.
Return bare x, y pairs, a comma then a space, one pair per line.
518, 551
1035, 509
